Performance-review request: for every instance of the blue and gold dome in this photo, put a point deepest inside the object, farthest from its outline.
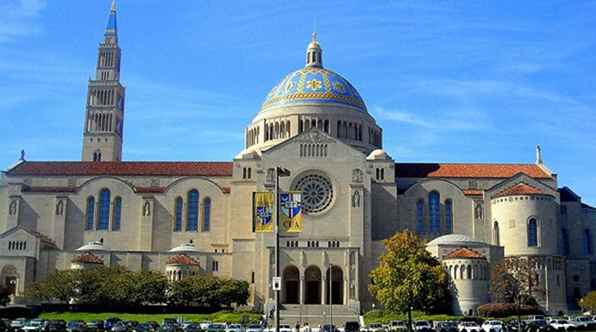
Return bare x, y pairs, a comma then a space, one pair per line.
313, 85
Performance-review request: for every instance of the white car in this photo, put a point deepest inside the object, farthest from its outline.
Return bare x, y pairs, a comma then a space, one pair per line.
469, 327
492, 326
398, 325
34, 325
204, 325
561, 324
581, 321
422, 325
285, 328
234, 328
254, 328
375, 327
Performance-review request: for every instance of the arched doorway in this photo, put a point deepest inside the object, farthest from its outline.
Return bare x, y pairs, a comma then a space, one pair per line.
312, 277
9, 278
335, 286
291, 282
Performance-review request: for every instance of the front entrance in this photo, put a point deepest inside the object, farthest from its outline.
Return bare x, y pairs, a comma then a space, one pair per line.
291, 289
335, 289
313, 285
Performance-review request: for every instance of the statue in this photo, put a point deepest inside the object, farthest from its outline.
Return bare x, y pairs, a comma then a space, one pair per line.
147, 209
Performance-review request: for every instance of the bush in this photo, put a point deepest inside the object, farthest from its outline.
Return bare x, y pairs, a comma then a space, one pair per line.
500, 310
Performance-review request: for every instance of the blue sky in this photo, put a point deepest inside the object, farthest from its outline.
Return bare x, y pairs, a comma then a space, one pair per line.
449, 81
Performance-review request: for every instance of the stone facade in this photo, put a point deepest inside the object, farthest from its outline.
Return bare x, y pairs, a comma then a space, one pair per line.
60, 215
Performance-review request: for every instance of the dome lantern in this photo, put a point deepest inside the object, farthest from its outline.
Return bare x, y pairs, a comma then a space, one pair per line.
314, 53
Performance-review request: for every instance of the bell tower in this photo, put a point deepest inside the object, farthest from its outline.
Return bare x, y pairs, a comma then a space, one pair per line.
104, 120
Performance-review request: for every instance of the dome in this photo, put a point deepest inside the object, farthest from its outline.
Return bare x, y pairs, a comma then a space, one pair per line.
378, 154
93, 246
185, 247
313, 85
451, 239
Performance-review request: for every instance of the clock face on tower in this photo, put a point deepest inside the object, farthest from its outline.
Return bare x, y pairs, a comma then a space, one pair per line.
317, 192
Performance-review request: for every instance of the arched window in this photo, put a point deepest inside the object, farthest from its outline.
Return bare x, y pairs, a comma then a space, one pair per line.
192, 213
206, 214
117, 214
449, 215
469, 272
532, 233
496, 235
565, 242
455, 271
420, 217
178, 214
90, 213
587, 242
104, 209
462, 270
434, 212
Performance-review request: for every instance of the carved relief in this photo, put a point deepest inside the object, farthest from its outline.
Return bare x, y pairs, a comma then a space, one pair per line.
147, 209
315, 136
478, 210
357, 176
60, 208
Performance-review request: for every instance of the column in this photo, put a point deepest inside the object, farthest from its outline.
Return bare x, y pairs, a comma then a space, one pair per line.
301, 289
323, 286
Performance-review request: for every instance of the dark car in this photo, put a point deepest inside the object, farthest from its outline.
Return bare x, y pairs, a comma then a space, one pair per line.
328, 328
154, 324
143, 327
120, 327
170, 328
352, 326
446, 326
109, 323
95, 326
76, 326
55, 326
4, 325
194, 327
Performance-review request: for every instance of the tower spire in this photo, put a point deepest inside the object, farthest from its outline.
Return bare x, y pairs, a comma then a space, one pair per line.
314, 53
112, 26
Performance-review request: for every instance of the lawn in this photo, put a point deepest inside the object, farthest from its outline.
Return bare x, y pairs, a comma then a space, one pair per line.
384, 317
222, 316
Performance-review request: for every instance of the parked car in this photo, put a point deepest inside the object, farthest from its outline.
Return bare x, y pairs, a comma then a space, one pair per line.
95, 326
154, 325
4, 325
120, 326
254, 328
446, 326
469, 327
18, 324
170, 321
143, 327
351, 326
422, 325
234, 328
324, 328
76, 326
170, 328
561, 325
493, 326
582, 321
109, 323
217, 327
55, 326
34, 325
204, 325
375, 327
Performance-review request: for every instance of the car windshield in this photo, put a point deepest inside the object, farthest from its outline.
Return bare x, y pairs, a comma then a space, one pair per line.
217, 326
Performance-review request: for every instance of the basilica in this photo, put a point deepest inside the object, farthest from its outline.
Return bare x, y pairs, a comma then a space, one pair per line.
184, 218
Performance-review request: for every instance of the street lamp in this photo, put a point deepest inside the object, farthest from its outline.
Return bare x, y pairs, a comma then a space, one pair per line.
279, 172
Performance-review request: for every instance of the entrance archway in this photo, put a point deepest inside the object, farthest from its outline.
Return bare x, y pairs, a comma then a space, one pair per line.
335, 286
291, 282
312, 277
9, 278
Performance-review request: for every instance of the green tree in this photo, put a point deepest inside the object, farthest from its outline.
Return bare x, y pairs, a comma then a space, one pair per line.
408, 278
59, 286
588, 302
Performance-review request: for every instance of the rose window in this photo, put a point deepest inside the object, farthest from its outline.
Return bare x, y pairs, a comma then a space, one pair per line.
317, 192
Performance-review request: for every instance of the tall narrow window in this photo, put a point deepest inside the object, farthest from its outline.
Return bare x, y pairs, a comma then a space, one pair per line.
192, 214
496, 235
104, 210
178, 215
117, 214
449, 215
206, 214
565, 242
587, 242
434, 212
90, 213
532, 233
420, 217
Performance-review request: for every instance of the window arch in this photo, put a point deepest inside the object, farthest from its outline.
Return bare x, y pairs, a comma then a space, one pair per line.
90, 213
104, 209
207, 214
469, 272
420, 217
449, 215
532, 233
455, 271
178, 206
117, 214
587, 242
192, 213
462, 270
434, 212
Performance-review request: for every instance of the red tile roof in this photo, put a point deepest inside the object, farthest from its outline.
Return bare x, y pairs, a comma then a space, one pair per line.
88, 258
520, 189
465, 253
182, 260
424, 170
126, 168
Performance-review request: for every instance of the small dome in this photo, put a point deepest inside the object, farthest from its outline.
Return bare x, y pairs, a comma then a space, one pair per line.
93, 246
451, 239
378, 154
185, 247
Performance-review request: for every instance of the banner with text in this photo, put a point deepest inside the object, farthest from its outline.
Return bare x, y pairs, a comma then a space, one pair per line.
263, 212
291, 216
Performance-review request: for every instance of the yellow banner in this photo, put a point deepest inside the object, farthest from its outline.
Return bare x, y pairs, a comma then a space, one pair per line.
263, 212
291, 216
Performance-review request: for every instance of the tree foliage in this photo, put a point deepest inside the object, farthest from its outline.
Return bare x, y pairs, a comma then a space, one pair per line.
588, 302
408, 277
516, 280
118, 287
